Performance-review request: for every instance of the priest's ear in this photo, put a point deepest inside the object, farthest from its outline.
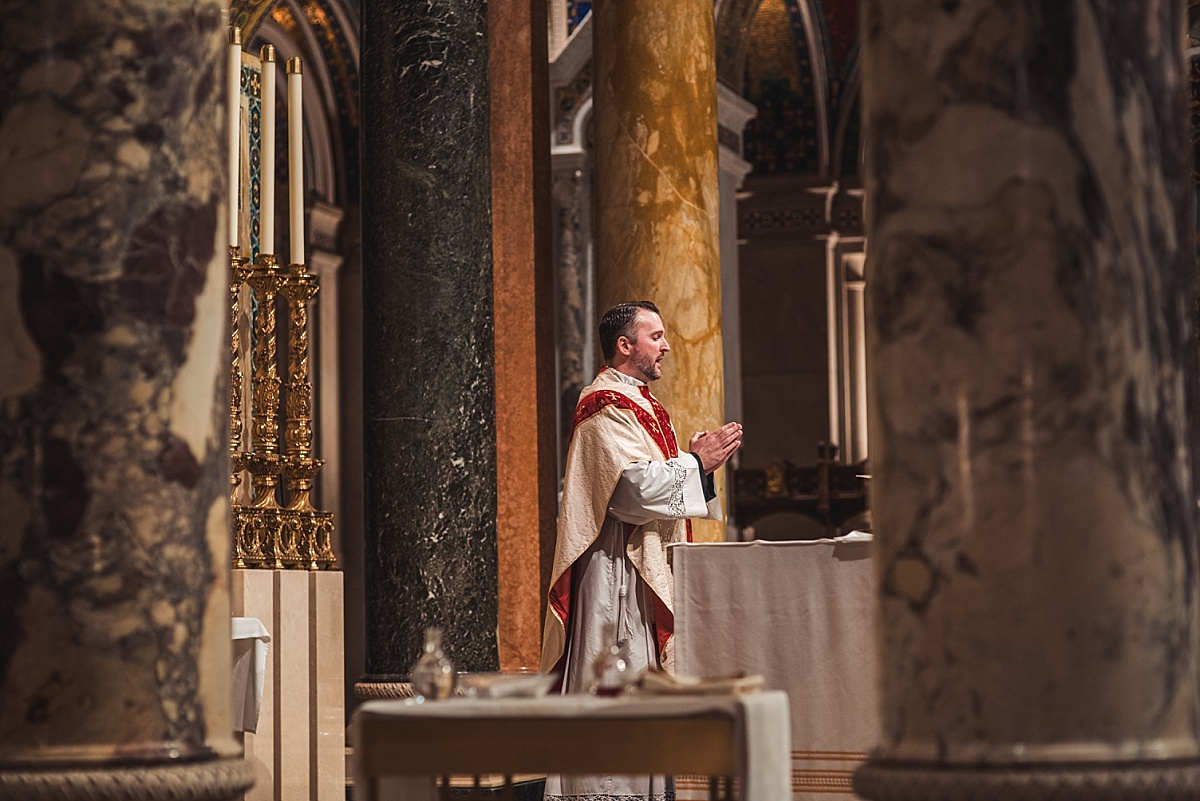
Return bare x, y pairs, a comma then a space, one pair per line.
624, 345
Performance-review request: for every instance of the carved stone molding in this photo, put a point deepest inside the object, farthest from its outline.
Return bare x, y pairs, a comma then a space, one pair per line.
810, 219
814, 212
1167, 780
206, 781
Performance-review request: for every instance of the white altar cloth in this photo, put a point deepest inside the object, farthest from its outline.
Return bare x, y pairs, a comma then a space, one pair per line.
250, 639
745, 737
801, 614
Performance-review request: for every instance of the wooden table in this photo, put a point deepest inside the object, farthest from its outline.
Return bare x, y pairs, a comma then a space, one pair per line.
745, 738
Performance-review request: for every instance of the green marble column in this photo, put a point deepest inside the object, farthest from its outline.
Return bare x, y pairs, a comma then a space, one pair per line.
429, 411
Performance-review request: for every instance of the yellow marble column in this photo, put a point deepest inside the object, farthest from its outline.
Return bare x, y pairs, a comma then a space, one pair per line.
657, 194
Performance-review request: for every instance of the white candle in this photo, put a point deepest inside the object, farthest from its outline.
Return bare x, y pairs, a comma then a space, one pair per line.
233, 121
295, 160
266, 164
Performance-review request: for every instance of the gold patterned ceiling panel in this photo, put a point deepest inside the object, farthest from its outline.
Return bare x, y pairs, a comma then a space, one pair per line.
248, 15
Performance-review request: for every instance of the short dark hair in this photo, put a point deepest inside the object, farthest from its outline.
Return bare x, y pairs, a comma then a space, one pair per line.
619, 321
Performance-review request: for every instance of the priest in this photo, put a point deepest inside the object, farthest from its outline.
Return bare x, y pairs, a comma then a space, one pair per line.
627, 493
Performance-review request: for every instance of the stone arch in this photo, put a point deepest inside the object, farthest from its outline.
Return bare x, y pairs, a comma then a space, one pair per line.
819, 115
325, 34
733, 19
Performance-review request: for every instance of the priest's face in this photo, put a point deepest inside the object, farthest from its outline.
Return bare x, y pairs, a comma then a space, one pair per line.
649, 347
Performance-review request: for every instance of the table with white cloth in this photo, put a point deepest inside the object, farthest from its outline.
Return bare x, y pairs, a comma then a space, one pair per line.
401, 745
801, 614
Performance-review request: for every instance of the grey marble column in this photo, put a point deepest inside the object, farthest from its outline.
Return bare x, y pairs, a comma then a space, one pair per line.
429, 409
114, 465
572, 279
1030, 278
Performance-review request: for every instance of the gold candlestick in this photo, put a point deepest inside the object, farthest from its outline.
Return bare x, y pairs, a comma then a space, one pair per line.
238, 272
265, 280
299, 288
299, 469
263, 460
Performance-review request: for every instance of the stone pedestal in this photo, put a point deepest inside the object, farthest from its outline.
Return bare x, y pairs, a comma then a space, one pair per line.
1030, 285
657, 194
298, 747
114, 514
428, 355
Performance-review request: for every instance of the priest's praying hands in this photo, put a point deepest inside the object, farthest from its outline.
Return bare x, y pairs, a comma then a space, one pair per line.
713, 448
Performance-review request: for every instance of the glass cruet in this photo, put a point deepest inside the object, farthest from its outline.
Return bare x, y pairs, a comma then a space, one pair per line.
433, 675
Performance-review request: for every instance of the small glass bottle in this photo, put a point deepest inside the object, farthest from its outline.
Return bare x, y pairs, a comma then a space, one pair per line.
433, 675
611, 671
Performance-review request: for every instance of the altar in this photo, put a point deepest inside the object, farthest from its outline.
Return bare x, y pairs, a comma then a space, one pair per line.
800, 613
401, 746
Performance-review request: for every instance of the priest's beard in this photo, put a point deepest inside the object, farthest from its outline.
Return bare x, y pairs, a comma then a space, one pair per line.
647, 365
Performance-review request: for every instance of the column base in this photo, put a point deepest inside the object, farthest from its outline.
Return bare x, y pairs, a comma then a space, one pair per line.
218, 780
367, 689
1162, 780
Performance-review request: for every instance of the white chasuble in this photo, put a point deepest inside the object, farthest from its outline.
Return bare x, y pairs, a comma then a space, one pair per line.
626, 495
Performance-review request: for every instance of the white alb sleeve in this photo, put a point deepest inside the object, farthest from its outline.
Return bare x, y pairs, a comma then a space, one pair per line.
656, 490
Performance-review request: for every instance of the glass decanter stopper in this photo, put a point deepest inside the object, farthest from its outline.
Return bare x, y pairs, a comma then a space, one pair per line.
433, 676
611, 671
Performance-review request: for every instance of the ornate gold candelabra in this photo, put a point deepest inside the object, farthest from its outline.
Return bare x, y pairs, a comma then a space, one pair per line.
275, 526
268, 534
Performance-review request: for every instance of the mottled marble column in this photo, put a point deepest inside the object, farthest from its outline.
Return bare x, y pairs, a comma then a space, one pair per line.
1030, 278
428, 360
115, 648
657, 194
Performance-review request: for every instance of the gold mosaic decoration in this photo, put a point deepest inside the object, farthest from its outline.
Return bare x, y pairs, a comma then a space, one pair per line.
248, 15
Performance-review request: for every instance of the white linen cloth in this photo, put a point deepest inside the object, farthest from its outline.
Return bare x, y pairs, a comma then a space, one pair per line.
250, 639
802, 615
760, 724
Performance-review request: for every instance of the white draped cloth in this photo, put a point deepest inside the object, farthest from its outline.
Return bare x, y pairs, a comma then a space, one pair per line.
606, 587
250, 638
802, 615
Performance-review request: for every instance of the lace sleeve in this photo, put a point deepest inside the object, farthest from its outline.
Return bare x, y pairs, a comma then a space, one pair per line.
656, 490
